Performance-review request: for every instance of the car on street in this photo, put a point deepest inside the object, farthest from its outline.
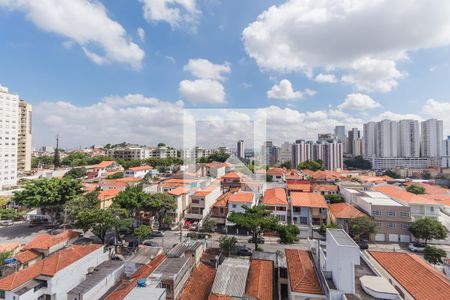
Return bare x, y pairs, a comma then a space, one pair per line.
416, 247
198, 235
259, 240
150, 243
244, 251
6, 223
157, 234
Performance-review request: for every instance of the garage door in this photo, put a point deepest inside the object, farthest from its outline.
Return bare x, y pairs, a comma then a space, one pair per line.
405, 238
393, 238
379, 237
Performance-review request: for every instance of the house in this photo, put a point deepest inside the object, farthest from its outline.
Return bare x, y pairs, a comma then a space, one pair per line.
260, 280
421, 207
303, 282
28, 258
230, 180
200, 283
325, 189
202, 202
101, 169
143, 256
276, 201
299, 188
391, 217
47, 244
412, 277
340, 213
181, 195
216, 169
138, 172
277, 174
231, 279
54, 276
308, 209
172, 183
98, 281
235, 204
106, 197
219, 210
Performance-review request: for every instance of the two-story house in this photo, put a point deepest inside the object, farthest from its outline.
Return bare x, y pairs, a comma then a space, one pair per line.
181, 195
276, 201
201, 203
308, 209
138, 172
236, 202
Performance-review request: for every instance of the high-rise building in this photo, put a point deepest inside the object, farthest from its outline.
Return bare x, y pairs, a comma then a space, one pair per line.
340, 135
431, 139
324, 137
330, 152
240, 149
369, 139
409, 135
301, 152
24, 148
353, 146
386, 138
9, 123
445, 161
332, 155
269, 153
285, 154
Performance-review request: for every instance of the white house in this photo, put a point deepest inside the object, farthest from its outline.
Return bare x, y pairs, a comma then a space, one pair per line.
276, 201
138, 172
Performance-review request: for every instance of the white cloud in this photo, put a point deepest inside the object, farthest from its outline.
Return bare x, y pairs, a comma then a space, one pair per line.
178, 13
85, 22
204, 69
328, 78
283, 90
358, 102
310, 92
302, 35
171, 59
202, 91
141, 34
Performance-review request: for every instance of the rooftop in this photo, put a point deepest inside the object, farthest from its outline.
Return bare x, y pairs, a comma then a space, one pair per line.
260, 280
341, 237
181, 190
324, 187
299, 187
181, 248
402, 195
100, 272
302, 275
170, 267
242, 197
308, 200
46, 241
381, 201
231, 277
345, 211
141, 168
26, 256
415, 275
199, 284
144, 255
275, 196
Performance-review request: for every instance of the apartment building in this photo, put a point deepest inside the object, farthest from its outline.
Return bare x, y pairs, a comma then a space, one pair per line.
138, 172
129, 153
409, 135
181, 195
391, 217
24, 137
330, 152
9, 129
431, 139
240, 152
202, 202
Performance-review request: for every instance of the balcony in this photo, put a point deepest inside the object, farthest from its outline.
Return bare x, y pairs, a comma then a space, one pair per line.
193, 216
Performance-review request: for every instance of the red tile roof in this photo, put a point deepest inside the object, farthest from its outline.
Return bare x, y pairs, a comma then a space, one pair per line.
181, 190
218, 297
275, 172
416, 276
10, 246
345, 211
48, 266
305, 187
101, 165
222, 201
218, 165
108, 194
402, 195
260, 280
308, 200
431, 188
275, 196
141, 168
26, 256
128, 179
324, 187
232, 175
46, 241
241, 197
199, 284
123, 290
302, 275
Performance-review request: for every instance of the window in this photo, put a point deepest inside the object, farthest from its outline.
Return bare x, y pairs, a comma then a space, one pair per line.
376, 212
404, 226
404, 214
233, 205
390, 213
390, 225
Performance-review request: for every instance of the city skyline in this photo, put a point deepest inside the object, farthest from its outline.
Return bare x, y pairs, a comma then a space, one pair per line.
131, 83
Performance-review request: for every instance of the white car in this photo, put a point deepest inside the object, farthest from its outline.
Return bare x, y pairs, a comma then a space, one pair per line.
416, 247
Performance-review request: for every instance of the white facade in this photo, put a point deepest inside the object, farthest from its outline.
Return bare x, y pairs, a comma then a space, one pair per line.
445, 154
240, 149
340, 135
369, 139
9, 129
409, 138
129, 153
385, 163
431, 140
387, 138
24, 137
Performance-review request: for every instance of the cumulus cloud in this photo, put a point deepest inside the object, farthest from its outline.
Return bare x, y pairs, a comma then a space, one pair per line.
141, 34
358, 102
351, 36
203, 68
86, 23
202, 91
178, 13
284, 91
328, 78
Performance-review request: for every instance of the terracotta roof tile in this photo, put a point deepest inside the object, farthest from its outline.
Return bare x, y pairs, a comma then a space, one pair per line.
324, 187
308, 200
302, 275
141, 168
275, 172
222, 201
10, 246
123, 290
199, 284
181, 190
101, 165
218, 297
232, 175
304, 187
275, 196
402, 195
26, 256
45, 241
108, 194
242, 197
420, 279
260, 280
345, 211
128, 179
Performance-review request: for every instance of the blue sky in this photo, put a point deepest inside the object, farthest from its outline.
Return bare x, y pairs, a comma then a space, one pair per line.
310, 65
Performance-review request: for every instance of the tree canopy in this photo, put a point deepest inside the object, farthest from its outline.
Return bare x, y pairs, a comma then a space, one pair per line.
361, 227
334, 198
392, 174
428, 229
312, 165
255, 220
416, 189
434, 255
358, 162
159, 204
76, 173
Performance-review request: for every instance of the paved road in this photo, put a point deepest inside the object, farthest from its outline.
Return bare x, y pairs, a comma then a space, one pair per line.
20, 232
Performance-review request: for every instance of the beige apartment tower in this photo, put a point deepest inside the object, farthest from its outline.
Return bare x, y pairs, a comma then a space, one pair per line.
24, 137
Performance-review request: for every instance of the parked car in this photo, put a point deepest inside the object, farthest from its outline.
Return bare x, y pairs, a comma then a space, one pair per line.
259, 240
157, 234
244, 251
363, 244
416, 247
38, 222
198, 235
150, 243
6, 223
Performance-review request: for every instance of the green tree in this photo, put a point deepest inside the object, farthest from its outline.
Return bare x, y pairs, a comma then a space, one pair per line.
269, 178
227, 244
288, 233
115, 175
77, 204
323, 228
255, 220
3, 201
286, 164
4, 255
9, 214
392, 174
142, 232
434, 255
312, 165
132, 199
101, 221
361, 227
48, 194
428, 229
76, 173
358, 162
334, 198
56, 158
208, 226
75, 159
426, 175
415, 189
218, 156
159, 204
42, 161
